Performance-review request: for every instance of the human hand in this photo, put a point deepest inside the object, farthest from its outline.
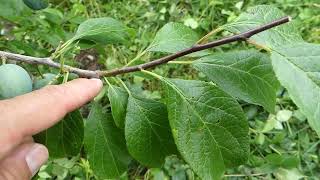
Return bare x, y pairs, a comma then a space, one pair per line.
27, 115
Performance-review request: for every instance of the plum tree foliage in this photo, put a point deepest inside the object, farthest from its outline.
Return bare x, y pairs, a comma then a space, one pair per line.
201, 120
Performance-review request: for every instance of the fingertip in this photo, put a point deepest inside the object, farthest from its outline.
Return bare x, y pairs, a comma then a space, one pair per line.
36, 157
98, 83
94, 83
79, 91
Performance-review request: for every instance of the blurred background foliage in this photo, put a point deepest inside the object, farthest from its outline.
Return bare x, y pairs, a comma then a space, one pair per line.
283, 146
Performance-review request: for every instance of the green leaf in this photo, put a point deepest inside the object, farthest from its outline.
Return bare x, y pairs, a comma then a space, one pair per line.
54, 16
270, 124
118, 99
260, 15
147, 132
102, 30
247, 75
157, 174
297, 67
285, 160
65, 139
174, 37
36, 4
12, 9
209, 126
284, 115
105, 145
292, 174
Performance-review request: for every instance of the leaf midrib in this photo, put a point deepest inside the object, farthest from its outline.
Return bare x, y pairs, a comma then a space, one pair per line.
296, 66
232, 68
198, 115
249, 74
106, 140
149, 122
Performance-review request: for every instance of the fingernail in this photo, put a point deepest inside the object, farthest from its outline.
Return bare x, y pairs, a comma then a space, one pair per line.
36, 157
98, 81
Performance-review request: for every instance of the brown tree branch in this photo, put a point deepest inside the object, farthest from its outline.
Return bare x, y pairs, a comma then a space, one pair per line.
48, 62
96, 74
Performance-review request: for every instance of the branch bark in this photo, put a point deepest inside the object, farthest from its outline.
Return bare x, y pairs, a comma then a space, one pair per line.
96, 74
49, 62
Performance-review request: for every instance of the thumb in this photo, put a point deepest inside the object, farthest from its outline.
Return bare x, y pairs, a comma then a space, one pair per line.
24, 162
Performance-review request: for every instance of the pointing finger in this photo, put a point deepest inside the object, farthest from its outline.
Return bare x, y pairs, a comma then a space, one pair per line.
31, 113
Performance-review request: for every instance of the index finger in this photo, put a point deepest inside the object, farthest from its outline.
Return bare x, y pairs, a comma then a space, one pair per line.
31, 113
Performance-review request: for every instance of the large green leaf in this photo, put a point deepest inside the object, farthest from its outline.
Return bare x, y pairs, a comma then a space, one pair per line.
118, 99
174, 37
36, 4
247, 75
105, 145
65, 139
147, 132
297, 67
209, 126
102, 30
260, 15
12, 9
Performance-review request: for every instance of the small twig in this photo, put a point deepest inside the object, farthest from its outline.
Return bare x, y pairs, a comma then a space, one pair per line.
48, 62
107, 81
136, 58
245, 175
3, 59
275, 150
54, 79
65, 77
180, 62
38, 70
152, 74
96, 74
239, 37
124, 85
206, 37
249, 41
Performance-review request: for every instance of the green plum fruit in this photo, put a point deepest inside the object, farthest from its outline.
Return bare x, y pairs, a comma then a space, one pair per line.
36, 4
14, 81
